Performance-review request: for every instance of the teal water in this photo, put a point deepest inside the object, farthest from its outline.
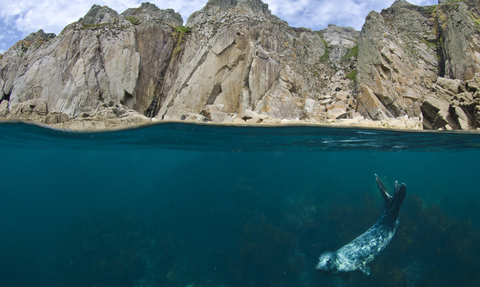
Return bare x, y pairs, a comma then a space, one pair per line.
201, 205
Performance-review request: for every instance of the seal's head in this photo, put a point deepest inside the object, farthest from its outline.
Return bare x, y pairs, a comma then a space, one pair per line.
327, 262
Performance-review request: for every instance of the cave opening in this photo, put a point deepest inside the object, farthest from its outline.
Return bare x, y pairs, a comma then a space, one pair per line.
128, 100
5, 97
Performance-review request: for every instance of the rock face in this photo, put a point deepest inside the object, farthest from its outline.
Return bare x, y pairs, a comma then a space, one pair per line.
240, 56
454, 105
406, 55
397, 61
92, 60
234, 58
232, 54
102, 60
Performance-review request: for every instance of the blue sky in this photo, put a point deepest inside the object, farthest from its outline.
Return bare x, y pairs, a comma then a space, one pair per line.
22, 17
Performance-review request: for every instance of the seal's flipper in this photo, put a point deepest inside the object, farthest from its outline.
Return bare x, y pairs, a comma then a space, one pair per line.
400, 191
392, 203
398, 198
383, 190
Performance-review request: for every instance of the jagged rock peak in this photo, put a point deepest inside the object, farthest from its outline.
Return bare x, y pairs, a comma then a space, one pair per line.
39, 36
214, 7
400, 2
340, 41
348, 32
256, 6
148, 11
98, 15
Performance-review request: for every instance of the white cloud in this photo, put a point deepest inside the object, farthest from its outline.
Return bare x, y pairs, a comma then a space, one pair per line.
424, 2
22, 17
26, 16
53, 16
185, 8
317, 14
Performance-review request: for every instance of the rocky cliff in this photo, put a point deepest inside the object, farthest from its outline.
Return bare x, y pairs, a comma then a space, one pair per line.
421, 61
234, 61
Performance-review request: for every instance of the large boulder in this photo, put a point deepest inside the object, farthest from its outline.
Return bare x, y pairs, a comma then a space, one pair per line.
3, 108
214, 113
453, 105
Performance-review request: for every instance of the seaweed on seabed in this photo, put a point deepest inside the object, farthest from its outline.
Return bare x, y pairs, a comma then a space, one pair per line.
454, 250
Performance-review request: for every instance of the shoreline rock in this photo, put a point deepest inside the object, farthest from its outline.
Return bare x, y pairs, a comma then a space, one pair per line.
119, 117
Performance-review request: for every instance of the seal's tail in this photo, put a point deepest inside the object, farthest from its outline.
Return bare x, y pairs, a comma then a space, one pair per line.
392, 203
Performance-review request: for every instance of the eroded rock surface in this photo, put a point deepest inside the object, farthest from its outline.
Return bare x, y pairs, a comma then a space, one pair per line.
240, 56
397, 61
454, 105
104, 58
406, 52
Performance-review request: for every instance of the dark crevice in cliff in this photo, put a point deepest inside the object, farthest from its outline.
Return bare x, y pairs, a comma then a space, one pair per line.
246, 81
128, 100
157, 99
217, 89
5, 97
440, 48
169, 70
156, 102
391, 110
152, 109
154, 45
394, 109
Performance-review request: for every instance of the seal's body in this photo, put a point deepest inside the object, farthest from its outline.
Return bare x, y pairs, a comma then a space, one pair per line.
363, 249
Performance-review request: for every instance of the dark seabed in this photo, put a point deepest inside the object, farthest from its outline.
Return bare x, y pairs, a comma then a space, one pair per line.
194, 205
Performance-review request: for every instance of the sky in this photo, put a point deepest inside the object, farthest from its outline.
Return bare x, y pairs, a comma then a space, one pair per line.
21, 17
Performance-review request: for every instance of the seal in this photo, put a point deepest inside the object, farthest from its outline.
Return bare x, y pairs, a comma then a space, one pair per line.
363, 249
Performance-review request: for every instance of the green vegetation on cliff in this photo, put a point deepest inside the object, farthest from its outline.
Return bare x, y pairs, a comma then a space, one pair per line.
95, 26
352, 75
326, 56
178, 35
183, 29
353, 52
133, 20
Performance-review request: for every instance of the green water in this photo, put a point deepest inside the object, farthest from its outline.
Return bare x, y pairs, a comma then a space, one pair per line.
201, 205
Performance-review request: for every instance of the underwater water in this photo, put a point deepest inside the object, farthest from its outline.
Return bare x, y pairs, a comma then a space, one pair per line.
201, 205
